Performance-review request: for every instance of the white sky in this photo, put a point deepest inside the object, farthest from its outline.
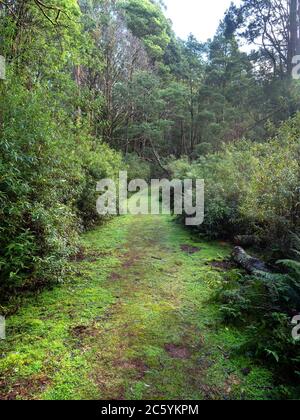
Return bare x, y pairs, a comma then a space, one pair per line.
199, 17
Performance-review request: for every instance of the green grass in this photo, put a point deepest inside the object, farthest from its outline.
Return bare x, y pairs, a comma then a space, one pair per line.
135, 321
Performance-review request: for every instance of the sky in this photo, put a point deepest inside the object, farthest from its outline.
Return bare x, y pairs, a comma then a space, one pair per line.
200, 17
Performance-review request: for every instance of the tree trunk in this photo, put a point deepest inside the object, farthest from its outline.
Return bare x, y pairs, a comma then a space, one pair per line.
294, 36
252, 265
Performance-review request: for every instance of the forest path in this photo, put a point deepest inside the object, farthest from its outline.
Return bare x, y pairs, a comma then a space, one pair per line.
133, 322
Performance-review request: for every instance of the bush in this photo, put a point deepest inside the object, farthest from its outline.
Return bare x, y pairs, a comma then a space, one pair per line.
137, 168
251, 188
48, 172
97, 163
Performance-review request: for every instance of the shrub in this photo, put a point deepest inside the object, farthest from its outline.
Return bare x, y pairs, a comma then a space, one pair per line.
137, 168
49, 167
251, 188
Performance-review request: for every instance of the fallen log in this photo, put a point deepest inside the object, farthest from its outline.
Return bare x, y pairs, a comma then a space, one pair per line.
252, 265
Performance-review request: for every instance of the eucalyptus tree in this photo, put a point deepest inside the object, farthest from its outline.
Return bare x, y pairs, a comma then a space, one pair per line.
272, 26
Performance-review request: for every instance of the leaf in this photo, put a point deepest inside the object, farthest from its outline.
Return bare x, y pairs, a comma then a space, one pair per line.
274, 354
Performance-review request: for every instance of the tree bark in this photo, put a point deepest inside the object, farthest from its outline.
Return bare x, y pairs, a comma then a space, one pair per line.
293, 33
157, 158
252, 265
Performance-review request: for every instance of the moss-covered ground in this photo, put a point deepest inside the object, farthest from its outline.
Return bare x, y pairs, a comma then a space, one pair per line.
134, 322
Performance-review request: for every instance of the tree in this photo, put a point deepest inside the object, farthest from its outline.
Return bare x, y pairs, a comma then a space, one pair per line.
147, 22
226, 95
271, 25
193, 66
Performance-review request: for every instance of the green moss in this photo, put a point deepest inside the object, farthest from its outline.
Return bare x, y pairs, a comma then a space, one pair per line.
108, 333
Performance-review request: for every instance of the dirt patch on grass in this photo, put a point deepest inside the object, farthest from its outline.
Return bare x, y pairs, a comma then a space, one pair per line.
223, 243
189, 249
231, 382
129, 260
141, 368
23, 389
115, 277
223, 265
86, 255
211, 393
81, 331
178, 352
137, 366
220, 392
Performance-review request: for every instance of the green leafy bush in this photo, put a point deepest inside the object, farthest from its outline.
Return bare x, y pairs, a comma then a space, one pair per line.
137, 168
49, 167
251, 188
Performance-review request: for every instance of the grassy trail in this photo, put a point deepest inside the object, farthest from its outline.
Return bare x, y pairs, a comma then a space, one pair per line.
134, 322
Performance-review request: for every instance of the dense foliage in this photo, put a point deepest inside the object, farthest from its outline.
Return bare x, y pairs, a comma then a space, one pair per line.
252, 191
251, 188
50, 160
98, 86
265, 308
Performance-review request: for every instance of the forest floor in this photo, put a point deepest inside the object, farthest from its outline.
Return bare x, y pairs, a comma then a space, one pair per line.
134, 321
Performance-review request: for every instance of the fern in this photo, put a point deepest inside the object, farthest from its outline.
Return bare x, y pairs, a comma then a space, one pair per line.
294, 264
264, 305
